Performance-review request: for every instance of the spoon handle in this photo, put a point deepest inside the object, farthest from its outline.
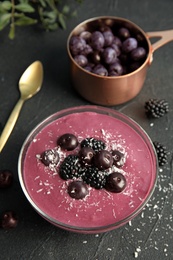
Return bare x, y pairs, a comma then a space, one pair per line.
10, 123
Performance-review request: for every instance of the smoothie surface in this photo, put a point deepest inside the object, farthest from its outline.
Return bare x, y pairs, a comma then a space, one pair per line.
100, 208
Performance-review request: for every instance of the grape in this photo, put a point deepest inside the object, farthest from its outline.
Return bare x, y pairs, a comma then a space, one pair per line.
124, 33
138, 53
116, 69
104, 28
77, 45
109, 37
116, 48
109, 50
129, 44
86, 35
81, 60
97, 40
134, 65
87, 50
124, 58
95, 57
109, 55
88, 68
100, 70
117, 41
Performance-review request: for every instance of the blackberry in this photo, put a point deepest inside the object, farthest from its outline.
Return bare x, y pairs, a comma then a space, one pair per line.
95, 144
94, 177
156, 108
70, 168
161, 152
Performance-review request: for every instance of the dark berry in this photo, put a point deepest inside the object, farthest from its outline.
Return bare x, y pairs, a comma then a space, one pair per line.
116, 69
118, 158
81, 60
115, 182
97, 40
100, 70
102, 47
104, 28
71, 168
103, 160
88, 68
117, 41
86, 35
124, 33
129, 45
109, 55
95, 57
77, 44
138, 54
86, 155
109, 37
162, 153
67, 142
50, 156
9, 220
95, 144
77, 189
6, 178
156, 108
134, 65
116, 48
94, 177
87, 50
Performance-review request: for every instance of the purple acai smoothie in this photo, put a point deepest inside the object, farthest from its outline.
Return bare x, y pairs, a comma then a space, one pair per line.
100, 208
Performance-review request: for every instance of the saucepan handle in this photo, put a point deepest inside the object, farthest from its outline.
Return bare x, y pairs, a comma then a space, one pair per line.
165, 37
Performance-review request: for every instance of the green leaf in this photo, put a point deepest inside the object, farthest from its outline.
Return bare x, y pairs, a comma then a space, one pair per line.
51, 15
66, 9
4, 20
62, 21
25, 8
5, 5
11, 34
23, 1
53, 27
42, 2
74, 14
24, 20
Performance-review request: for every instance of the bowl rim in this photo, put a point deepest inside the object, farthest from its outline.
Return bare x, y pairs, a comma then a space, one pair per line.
101, 110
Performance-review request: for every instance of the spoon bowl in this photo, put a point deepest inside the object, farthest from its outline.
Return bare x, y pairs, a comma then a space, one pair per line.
29, 84
31, 80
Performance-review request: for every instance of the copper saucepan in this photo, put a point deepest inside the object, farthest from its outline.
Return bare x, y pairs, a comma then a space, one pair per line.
106, 90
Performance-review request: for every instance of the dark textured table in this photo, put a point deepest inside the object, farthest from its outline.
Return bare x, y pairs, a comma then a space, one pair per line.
150, 234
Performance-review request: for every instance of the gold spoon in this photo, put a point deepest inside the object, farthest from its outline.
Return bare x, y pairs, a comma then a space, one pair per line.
29, 84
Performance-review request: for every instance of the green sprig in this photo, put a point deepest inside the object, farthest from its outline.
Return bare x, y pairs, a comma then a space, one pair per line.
51, 14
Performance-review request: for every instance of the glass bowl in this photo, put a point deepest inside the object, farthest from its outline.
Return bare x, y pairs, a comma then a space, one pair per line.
100, 210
